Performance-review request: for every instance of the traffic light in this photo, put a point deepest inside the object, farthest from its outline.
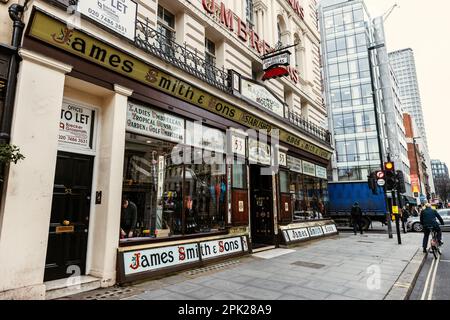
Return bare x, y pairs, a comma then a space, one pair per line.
401, 182
372, 181
390, 176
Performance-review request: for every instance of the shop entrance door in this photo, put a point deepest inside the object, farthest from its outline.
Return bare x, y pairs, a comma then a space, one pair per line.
69, 223
262, 223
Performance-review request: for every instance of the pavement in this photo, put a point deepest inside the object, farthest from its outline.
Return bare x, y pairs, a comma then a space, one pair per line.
433, 282
343, 267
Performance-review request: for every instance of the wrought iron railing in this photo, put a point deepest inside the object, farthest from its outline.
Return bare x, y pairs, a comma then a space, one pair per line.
154, 42
307, 126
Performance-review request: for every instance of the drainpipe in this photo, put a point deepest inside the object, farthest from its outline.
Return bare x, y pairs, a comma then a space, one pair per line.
15, 13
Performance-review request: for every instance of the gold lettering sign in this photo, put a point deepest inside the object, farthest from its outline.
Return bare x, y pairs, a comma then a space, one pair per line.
57, 34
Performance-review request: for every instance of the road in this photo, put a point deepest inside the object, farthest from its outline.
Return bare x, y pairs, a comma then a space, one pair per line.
433, 282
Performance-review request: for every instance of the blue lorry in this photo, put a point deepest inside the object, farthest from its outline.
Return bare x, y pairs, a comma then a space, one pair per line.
343, 195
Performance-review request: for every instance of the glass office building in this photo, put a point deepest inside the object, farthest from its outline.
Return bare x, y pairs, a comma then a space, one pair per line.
346, 37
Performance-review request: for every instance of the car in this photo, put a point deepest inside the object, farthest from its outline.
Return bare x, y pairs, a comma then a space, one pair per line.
413, 223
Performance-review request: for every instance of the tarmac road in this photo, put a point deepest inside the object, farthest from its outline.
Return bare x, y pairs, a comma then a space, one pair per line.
433, 282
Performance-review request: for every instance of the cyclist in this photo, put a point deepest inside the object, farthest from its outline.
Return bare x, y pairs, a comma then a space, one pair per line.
428, 220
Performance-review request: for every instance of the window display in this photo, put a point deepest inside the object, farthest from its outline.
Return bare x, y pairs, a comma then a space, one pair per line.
309, 196
165, 199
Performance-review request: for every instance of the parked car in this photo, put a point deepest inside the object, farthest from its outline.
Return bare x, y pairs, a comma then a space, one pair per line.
413, 223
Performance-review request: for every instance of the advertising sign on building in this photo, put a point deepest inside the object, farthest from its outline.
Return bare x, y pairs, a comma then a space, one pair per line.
282, 159
154, 259
204, 137
302, 233
238, 146
258, 152
279, 59
117, 15
158, 258
76, 126
263, 97
149, 122
321, 172
309, 168
294, 164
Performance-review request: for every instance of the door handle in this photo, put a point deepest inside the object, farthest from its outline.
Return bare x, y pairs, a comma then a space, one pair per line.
68, 191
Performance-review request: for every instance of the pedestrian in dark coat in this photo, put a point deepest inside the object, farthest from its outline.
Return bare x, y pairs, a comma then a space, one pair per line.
356, 214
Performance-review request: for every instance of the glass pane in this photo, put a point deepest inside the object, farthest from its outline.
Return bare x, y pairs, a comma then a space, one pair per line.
284, 182
151, 188
205, 196
239, 176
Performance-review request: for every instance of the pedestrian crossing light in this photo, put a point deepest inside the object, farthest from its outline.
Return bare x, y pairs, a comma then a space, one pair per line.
390, 176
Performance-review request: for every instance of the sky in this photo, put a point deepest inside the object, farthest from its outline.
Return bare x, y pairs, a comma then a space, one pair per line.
424, 26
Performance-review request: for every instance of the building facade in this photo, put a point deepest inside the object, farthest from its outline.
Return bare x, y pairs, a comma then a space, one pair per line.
404, 66
152, 145
441, 180
420, 182
361, 93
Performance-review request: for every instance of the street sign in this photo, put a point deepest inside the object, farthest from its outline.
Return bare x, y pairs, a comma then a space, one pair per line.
381, 182
395, 209
380, 174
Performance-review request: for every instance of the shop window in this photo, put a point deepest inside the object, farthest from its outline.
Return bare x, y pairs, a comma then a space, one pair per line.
284, 182
166, 199
205, 196
309, 196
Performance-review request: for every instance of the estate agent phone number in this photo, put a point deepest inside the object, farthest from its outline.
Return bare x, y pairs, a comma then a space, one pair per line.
114, 25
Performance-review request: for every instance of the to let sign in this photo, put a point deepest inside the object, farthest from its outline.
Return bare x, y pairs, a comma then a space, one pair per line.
76, 126
117, 15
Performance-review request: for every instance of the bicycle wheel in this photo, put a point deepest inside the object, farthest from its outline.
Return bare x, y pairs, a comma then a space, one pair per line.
435, 252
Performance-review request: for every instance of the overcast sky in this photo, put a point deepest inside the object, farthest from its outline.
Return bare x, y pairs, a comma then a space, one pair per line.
424, 26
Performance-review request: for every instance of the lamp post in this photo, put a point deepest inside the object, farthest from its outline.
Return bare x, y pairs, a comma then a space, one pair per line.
378, 126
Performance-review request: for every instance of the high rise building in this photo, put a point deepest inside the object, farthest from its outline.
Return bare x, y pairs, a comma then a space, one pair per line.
439, 169
404, 66
362, 96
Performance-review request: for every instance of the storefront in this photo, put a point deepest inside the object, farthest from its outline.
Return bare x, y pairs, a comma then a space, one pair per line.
149, 174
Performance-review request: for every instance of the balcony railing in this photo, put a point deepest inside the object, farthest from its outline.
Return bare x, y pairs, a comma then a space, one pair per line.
154, 42
307, 126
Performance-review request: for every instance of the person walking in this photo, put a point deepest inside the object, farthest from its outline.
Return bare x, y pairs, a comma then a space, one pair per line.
356, 215
405, 216
428, 219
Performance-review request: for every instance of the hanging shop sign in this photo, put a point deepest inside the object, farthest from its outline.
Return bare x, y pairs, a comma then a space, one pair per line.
294, 164
262, 97
309, 168
136, 263
276, 65
149, 122
274, 60
57, 34
76, 126
301, 232
321, 172
258, 152
117, 15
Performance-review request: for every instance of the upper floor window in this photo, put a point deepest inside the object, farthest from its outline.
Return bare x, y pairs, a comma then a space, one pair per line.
210, 57
166, 22
166, 27
249, 13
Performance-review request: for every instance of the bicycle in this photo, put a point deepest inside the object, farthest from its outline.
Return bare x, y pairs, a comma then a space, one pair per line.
434, 243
